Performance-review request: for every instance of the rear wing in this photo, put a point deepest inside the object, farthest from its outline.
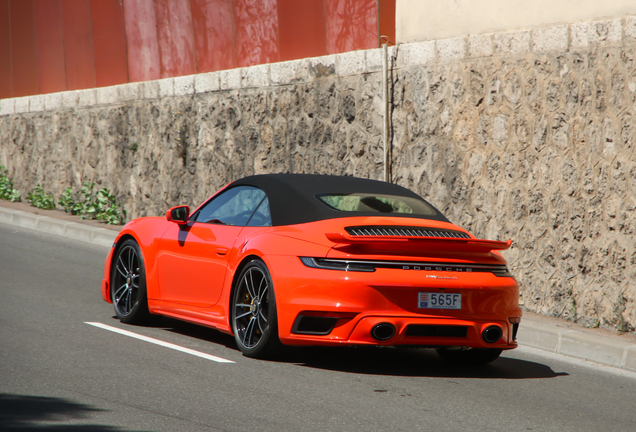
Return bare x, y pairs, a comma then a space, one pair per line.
412, 243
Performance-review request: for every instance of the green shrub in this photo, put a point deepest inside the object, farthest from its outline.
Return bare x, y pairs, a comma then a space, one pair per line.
40, 199
101, 205
70, 202
7, 192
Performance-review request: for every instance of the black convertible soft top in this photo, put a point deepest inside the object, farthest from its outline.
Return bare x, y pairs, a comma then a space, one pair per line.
292, 197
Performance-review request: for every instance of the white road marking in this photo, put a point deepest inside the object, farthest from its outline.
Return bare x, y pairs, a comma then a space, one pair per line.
159, 342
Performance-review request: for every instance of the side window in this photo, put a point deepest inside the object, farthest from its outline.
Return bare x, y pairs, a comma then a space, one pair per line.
261, 216
232, 207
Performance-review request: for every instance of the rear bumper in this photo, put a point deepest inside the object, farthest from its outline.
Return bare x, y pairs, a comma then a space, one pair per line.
357, 301
359, 332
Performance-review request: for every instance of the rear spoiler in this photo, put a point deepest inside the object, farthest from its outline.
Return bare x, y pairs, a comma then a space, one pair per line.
413, 242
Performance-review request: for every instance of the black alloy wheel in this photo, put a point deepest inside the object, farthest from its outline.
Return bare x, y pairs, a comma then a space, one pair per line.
128, 284
254, 320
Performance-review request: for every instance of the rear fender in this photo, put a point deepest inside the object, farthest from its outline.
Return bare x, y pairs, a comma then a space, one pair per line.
263, 246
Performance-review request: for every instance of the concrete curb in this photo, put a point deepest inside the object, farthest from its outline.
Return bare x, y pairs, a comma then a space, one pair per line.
73, 230
577, 344
547, 337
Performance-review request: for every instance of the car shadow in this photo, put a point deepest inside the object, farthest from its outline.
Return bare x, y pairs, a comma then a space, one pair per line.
418, 362
196, 331
390, 361
26, 413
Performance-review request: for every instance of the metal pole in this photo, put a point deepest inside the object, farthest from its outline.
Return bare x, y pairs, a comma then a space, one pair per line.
385, 93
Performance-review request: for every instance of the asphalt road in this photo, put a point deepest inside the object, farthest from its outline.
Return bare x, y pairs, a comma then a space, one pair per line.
58, 373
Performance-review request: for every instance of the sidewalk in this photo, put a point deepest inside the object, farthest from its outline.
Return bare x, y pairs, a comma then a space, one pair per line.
550, 334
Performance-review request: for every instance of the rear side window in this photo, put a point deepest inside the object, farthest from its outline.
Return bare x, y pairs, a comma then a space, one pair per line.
262, 216
376, 203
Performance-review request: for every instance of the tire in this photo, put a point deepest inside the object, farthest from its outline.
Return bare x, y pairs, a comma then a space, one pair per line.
253, 312
470, 356
128, 284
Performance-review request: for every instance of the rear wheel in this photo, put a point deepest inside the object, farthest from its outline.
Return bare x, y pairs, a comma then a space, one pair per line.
128, 284
254, 319
473, 356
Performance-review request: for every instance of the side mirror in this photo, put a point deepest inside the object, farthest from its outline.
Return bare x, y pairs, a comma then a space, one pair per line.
178, 214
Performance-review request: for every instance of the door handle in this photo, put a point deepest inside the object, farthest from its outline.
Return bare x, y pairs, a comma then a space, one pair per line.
221, 250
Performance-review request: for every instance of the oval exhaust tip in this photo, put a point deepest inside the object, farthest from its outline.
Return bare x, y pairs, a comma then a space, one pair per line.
492, 334
383, 331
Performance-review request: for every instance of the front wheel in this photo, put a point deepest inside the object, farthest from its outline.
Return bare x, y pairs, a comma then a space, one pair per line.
470, 356
128, 284
254, 319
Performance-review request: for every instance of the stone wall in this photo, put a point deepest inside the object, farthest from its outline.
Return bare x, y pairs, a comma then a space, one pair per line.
526, 135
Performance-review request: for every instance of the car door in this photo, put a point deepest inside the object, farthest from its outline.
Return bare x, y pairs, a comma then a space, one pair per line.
195, 257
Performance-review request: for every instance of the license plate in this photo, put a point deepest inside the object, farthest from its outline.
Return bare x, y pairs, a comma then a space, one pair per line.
439, 301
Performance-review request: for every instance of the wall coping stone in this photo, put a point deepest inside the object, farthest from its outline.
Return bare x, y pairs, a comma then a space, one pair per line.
451, 49
351, 63
629, 28
514, 42
52, 101
206, 82
600, 32
562, 37
70, 99
22, 104
255, 76
166, 87
108, 95
416, 54
289, 72
86, 97
184, 85
7, 106
550, 39
131, 91
321, 66
151, 90
480, 46
36, 104
374, 59
230, 79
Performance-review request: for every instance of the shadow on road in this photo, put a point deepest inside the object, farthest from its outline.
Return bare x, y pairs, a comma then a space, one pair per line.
416, 362
377, 361
194, 331
48, 414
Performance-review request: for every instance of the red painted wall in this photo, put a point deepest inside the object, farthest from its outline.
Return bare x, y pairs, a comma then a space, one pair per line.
256, 23
24, 60
176, 38
386, 12
302, 29
78, 44
50, 46
109, 41
351, 25
141, 40
55, 45
213, 22
6, 80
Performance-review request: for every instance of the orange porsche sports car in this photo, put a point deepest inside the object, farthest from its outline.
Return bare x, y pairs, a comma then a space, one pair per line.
300, 259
